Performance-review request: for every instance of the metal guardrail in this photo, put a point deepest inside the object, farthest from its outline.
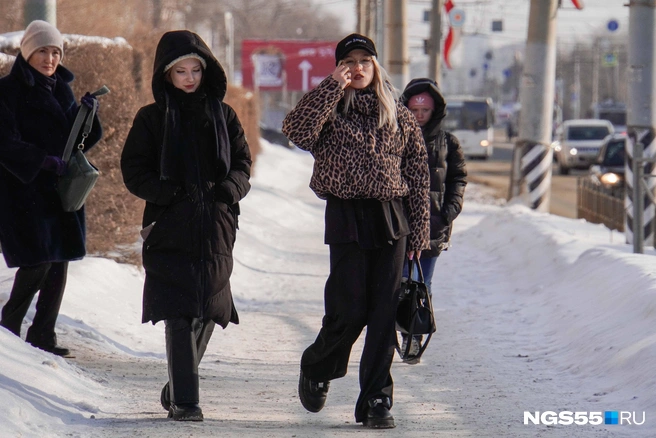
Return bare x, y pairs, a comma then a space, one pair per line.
599, 204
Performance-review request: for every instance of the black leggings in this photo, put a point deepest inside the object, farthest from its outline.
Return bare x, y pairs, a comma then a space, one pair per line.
50, 280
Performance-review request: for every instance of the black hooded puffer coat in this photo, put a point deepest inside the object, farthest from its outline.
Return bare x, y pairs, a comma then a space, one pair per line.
446, 164
186, 155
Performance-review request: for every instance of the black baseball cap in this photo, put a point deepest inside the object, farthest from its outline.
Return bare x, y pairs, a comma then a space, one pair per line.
353, 42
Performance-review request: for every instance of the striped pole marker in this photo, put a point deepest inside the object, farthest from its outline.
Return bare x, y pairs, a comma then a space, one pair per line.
536, 171
646, 137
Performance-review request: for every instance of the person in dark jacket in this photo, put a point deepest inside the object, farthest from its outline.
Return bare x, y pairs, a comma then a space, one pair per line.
37, 111
448, 177
370, 166
186, 155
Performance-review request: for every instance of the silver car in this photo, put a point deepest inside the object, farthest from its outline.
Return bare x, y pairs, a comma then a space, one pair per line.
577, 143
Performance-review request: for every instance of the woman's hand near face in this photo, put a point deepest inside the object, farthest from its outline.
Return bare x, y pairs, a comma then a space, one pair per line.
342, 75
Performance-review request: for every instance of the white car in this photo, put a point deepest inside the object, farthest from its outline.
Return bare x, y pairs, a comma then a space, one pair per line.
577, 143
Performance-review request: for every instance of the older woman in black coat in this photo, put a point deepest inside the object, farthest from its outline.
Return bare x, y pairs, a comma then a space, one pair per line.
37, 111
187, 157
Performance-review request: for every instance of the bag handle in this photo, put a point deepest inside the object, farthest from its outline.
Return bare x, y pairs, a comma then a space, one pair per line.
83, 115
414, 262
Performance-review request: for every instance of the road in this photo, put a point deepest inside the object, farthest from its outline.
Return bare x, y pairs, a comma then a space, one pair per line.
495, 173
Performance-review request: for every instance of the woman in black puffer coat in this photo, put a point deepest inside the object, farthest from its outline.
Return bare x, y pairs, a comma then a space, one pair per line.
448, 174
187, 157
37, 112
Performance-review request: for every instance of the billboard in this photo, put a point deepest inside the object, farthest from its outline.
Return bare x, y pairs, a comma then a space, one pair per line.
292, 65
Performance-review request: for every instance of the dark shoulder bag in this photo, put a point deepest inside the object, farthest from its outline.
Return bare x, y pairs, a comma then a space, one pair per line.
414, 314
80, 177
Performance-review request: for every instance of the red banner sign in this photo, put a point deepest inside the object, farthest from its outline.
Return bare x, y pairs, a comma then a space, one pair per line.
286, 64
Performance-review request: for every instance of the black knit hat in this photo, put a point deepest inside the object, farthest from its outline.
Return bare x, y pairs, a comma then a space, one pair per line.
353, 42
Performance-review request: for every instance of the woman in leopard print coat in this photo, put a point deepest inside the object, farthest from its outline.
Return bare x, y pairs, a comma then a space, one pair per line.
371, 168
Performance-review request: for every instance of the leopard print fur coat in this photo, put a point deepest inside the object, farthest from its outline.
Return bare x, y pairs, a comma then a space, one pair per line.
356, 159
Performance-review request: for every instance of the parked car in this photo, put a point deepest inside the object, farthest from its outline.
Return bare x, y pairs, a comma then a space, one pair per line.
577, 143
609, 168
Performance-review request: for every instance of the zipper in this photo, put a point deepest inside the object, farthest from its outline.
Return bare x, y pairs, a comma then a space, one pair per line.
201, 196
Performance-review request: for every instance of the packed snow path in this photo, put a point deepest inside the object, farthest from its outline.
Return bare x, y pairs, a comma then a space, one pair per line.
535, 313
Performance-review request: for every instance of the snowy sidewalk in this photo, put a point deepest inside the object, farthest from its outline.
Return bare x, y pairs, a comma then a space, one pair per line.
535, 313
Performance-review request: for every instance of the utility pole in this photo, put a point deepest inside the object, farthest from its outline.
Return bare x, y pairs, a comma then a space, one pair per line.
381, 45
397, 43
532, 155
577, 83
230, 44
595, 73
641, 122
366, 18
45, 10
435, 41
362, 16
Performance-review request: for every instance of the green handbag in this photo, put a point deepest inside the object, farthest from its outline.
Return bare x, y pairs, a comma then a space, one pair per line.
80, 177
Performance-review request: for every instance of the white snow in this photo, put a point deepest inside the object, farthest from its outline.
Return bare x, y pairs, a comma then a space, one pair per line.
535, 313
11, 40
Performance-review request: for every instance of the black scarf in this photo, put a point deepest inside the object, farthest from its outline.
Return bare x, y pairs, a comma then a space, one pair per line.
173, 156
47, 82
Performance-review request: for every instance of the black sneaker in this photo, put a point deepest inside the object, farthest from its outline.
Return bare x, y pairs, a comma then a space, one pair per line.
186, 412
378, 415
165, 397
312, 394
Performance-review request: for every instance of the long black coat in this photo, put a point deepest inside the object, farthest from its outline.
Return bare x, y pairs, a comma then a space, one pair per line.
187, 157
35, 122
446, 164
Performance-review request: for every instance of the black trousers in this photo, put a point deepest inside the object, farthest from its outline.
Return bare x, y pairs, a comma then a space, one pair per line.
50, 280
186, 342
360, 291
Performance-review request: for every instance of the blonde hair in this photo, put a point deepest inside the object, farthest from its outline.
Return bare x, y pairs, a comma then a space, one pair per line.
384, 91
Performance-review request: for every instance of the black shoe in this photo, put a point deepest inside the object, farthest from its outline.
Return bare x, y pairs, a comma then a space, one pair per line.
186, 412
165, 397
378, 415
312, 394
54, 349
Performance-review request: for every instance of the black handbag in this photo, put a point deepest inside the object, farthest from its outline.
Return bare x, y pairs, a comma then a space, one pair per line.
414, 314
80, 177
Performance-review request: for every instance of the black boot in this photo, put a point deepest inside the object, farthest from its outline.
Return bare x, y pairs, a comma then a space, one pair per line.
378, 415
165, 397
54, 349
312, 394
186, 412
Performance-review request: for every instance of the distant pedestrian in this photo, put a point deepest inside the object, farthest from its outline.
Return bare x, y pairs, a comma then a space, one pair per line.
370, 167
448, 178
37, 112
186, 155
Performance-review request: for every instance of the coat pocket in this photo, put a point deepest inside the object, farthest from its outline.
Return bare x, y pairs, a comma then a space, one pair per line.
224, 229
172, 231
